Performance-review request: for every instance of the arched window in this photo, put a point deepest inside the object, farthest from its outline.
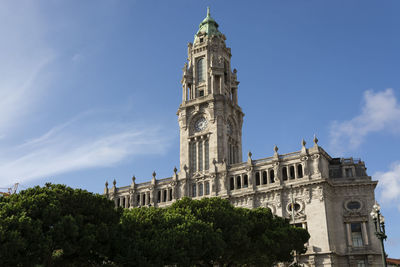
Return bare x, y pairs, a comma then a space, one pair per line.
291, 169
206, 156
201, 74
138, 200
165, 196
245, 181
123, 202
194, 193
238, 182
265, 177
170, 194
300, 171
232, 183
284, 173
200, 156
158, 196
257, 178
193, 154
144, 199
118, 202
207, 188
271, 176
200, 190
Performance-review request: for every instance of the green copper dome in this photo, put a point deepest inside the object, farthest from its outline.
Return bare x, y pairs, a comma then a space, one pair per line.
208, 26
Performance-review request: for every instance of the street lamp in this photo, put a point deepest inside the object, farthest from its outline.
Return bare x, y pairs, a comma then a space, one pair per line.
379, 222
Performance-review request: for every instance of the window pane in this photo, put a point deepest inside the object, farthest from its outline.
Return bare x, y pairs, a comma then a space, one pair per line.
200, 156
194, 193
200, 189
207, 188
206, 157
200, 70
356, 235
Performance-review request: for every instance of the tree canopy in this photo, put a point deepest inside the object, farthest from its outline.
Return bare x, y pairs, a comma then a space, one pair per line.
56, 225
207, 232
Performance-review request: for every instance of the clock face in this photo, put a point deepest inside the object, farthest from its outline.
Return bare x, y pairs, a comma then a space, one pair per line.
200, 124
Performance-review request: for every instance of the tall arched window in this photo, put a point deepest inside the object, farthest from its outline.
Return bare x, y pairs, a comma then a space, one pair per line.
201, 74
200, 189
257, 178
265, 177
232, 184
207, 188
206, 156
194, 187
200, 156
272, 176
300, 171
170, 194
238, 182
284, 173
193, 154
245, 181
291, 171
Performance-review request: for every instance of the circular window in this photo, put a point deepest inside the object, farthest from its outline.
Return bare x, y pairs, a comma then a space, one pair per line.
296, 206
353, 205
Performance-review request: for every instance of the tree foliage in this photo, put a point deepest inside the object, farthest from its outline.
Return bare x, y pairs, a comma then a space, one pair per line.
56, 225
206, 232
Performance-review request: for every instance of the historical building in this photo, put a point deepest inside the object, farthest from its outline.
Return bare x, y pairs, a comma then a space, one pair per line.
331, 197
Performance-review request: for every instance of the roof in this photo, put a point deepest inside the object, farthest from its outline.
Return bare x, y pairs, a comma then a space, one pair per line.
208, 26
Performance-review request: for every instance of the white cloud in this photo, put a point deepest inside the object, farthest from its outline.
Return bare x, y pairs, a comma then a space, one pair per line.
78, 144
24, 55
389, 184
380, 112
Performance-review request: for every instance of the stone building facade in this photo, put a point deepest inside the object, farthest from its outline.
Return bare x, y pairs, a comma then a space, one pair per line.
330, 197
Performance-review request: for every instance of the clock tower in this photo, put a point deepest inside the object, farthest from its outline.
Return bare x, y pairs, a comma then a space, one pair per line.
209, 116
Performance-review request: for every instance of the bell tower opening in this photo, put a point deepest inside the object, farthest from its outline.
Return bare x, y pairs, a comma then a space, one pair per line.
209, 116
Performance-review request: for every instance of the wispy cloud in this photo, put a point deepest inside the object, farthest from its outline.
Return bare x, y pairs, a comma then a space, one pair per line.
380, 112
389, 185
72, 146
23, 56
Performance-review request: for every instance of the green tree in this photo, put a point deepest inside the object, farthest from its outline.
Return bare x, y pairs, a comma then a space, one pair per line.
56, 225
206, 232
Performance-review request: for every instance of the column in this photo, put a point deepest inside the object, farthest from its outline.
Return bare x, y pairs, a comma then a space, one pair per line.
126, 201
268, 176
296, 175
364, 232
235, 183
168, 194
350, 242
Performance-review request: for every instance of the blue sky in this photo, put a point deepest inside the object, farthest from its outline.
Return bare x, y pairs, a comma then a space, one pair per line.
89, 89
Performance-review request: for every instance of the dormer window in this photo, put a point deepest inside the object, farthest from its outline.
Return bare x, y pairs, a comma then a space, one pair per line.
201, 74
201, 39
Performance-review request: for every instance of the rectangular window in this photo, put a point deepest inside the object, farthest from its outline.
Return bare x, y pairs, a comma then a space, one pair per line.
206, 156
200, 156
361, 263
192, 153
356, 236
200, 190
194, 187
349, 172
207, 188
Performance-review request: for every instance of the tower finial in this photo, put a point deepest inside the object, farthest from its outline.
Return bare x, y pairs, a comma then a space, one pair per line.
208, 11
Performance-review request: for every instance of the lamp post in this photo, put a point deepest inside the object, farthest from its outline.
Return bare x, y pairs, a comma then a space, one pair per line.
379, 222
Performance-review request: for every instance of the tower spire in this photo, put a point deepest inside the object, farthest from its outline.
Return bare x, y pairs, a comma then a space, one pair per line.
208, 12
